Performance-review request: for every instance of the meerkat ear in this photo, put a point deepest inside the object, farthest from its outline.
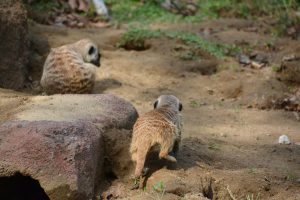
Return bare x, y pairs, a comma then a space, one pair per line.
180, 107
155, 104
92, 50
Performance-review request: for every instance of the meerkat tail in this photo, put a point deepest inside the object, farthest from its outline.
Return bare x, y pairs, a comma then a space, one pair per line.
140, 161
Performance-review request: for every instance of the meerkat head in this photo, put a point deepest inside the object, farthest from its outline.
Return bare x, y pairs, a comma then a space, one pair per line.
89, 51
168, 100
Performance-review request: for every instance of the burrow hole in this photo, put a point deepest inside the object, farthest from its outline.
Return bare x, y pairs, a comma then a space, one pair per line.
20, 187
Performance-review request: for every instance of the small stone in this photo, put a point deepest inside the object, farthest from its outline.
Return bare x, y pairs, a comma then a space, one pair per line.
296, 114
257, 65
289, 57
284, 139
291, 31
244, 59
297, 143
267, 187
223, 135
210, 91
261, 58
80, 24
192, 196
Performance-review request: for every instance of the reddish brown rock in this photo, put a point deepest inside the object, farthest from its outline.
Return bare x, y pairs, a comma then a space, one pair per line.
13, 44
65, 157
58, 141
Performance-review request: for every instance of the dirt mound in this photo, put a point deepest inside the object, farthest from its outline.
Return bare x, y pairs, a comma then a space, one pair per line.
257, 92
118, 162
290, 69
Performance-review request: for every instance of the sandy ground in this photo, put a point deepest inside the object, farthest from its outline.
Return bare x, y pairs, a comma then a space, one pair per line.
227, 141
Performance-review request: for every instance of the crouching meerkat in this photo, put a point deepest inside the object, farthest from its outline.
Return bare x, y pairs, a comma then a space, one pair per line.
161, 126
71, 68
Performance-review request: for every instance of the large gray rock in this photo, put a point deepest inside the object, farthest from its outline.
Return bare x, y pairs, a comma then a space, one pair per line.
58, 140
13, 44
108, 111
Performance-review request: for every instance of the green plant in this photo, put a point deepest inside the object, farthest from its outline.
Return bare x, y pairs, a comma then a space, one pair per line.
145, 189
44, 5
150, 11
237, 108
139, 35
252, 170
195, 104
276, 68
214, 8
197, 42
160, 188
190, 55
213, 146
251, 197
290, 176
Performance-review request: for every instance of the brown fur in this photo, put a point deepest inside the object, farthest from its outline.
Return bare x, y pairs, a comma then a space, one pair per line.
160, 126
65, 70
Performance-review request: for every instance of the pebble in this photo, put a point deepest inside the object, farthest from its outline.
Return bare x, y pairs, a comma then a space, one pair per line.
284, 139
244, 59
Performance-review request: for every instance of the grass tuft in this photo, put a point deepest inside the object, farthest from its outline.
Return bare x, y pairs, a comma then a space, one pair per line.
137, 36
150, 11
252, 197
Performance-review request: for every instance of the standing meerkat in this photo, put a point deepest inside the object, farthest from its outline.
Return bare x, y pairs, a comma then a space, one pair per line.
71, 68
161, 126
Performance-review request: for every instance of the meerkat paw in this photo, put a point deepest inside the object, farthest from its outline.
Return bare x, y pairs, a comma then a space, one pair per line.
145, 171
140, 181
